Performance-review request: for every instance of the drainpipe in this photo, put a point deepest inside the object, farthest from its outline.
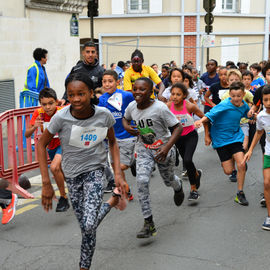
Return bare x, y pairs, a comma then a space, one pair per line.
266, 29
182, 32
198, 9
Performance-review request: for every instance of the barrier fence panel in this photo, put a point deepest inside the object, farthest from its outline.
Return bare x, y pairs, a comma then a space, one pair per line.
13, 163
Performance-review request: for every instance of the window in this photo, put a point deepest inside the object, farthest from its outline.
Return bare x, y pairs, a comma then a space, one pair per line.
230, 5
138, 6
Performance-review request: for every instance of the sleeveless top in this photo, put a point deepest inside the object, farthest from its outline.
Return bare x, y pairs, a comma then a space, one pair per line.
185, 118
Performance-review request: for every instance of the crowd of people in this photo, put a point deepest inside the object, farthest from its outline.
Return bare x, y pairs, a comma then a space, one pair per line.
135, 116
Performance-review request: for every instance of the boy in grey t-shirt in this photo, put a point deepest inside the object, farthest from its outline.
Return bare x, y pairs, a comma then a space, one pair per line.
154, 145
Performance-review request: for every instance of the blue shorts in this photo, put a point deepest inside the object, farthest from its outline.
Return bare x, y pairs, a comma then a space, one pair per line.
53, 152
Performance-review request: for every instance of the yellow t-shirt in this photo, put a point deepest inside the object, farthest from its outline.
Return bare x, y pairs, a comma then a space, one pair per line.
248, 98
131, 76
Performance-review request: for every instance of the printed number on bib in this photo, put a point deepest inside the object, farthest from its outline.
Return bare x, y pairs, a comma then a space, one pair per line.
185, 120
87, 137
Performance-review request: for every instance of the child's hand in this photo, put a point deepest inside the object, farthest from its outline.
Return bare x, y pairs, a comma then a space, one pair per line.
38, 122
207, 140
247, 157
132, 130
197, 124
161, 154
47, 196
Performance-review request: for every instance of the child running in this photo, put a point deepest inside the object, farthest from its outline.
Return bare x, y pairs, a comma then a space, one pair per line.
263, 125
40, 120
188, 141
154, 145
116, 101
82, 127
226, 135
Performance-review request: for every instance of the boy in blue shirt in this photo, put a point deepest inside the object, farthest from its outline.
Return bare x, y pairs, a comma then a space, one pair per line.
226, 135
116, 101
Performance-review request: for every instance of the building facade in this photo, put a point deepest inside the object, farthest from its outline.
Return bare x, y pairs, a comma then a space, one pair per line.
33, 24
168, 30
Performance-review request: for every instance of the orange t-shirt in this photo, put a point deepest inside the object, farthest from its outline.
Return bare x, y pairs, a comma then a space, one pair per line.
55, 142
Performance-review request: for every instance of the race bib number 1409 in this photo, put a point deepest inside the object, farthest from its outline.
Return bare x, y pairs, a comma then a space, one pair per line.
87, 137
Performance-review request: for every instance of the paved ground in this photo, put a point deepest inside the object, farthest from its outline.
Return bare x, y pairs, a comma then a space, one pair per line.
215, 234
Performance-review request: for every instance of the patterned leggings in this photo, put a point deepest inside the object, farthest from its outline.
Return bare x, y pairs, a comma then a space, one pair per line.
145, 164
86, 195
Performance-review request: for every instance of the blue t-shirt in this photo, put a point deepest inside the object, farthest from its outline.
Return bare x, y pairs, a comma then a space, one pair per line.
225, 119
209, 81
117, 103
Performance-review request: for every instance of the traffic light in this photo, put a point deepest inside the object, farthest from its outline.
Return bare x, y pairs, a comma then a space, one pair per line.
92, 8
209, 5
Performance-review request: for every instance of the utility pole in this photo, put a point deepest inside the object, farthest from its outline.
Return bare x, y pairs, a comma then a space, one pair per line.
92, 12
209, 6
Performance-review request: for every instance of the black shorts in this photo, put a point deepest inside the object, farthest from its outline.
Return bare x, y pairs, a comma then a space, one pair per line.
226, 152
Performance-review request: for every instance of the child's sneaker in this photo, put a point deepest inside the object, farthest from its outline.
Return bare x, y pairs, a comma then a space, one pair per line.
62, 205
266, 224
233, 176
262, 201
10, 210
241, 198
122, 203
179, 195
193, 195
109, 187
147, 230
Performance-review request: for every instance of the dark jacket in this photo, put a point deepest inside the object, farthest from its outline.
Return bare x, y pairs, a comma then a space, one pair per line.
95, 73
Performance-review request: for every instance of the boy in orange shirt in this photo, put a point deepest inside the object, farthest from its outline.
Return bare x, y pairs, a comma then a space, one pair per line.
40, 120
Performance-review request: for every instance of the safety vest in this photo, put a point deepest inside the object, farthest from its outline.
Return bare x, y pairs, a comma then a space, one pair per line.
37, 77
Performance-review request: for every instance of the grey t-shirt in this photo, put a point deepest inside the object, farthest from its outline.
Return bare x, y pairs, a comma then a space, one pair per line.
81, 140
152, 122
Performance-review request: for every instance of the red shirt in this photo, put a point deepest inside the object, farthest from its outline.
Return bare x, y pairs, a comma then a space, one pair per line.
55, 142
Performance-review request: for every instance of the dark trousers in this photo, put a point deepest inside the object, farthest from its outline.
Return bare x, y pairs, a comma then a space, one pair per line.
5, 194
186, 146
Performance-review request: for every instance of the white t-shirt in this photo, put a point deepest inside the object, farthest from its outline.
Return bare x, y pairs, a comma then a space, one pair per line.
263, 123
191, 93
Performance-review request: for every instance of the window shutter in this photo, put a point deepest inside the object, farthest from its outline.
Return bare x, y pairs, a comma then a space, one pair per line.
117, 6
7, 100
245, 6
155, 6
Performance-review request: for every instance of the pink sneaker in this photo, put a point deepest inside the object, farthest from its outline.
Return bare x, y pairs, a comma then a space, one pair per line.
122, 203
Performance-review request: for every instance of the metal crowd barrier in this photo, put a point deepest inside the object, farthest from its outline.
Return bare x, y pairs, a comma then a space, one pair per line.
11, 134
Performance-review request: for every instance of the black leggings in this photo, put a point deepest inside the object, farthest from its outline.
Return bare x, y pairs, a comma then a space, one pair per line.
186, 146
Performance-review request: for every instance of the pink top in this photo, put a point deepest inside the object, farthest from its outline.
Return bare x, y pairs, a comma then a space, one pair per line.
185, 118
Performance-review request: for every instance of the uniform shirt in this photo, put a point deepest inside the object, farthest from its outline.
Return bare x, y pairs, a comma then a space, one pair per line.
131, 76
257, 83
117, 103
43, 80
263, 123
55, 142
82, 140
152, 123
225, 119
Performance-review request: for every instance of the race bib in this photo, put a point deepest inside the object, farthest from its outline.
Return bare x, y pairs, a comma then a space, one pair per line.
116, 100
267, 133
87, 137
221, 92
185, 120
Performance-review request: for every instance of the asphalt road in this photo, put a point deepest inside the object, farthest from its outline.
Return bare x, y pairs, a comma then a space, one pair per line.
216, 233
